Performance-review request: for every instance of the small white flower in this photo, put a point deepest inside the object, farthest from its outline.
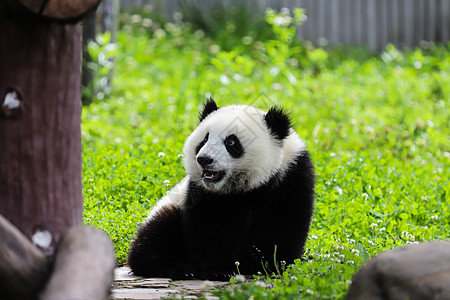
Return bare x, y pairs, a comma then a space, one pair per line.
356, 251
274, 71
370, 242
373, 225
277, 87
260, 284
314, 237
237, 76
135, 19
240, 278
178, 16
214, 49
382, 229
352, 241
308, 291
282, 21
434, 217
161, 155
159, 33
147, 22
285, 11
224, 79
180, 155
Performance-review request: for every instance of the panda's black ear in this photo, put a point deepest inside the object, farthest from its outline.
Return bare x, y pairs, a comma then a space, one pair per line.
209, 106
278, 121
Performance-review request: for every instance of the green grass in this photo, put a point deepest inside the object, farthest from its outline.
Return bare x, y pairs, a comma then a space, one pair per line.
377, 127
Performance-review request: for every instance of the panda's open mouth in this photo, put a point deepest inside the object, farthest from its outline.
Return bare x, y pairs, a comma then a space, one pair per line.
212, 176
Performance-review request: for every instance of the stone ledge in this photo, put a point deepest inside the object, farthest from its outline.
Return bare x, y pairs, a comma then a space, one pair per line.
130, 287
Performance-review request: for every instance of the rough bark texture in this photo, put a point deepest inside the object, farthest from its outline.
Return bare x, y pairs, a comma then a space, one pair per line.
88, 34
23, 268
56, 9
40, 139
84, 266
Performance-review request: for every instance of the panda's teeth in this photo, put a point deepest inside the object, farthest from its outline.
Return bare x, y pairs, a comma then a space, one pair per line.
208, 175
212, 176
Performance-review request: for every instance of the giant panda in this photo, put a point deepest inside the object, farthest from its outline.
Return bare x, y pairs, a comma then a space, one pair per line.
247, 198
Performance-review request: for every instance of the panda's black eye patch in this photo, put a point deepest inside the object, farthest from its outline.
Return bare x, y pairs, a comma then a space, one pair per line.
201, 144
234, 146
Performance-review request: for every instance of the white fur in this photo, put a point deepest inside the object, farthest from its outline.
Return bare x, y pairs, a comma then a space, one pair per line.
263, 157
176, 196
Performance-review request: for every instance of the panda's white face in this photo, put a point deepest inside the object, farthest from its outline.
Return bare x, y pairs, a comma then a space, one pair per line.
232, 150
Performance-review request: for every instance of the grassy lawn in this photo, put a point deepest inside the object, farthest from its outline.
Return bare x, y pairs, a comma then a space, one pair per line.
377, 127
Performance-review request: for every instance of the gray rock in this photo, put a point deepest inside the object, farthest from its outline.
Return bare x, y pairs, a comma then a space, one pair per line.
129, 287
414, 272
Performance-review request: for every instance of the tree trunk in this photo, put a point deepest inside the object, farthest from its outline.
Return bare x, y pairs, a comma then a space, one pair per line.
40, 140
23, 268
89, 32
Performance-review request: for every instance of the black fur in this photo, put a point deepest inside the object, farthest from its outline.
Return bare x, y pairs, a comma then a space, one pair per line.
158, 249
234, 146
201, 144
212, 231
209, 106
278, 122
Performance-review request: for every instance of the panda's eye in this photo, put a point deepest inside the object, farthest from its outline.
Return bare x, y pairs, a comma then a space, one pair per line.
234, 146
230, 142
206, 138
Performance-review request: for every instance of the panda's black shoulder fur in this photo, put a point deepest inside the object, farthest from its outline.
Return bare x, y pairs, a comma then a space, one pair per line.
210, 232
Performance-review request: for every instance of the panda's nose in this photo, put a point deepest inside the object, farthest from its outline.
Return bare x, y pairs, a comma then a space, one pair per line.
204, 161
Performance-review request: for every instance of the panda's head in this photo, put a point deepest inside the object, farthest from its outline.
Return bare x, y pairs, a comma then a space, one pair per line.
238, 147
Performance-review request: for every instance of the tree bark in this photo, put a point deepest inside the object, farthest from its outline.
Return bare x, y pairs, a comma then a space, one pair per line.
84, 266
23, 267
40, 137
88, 34
56, 9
